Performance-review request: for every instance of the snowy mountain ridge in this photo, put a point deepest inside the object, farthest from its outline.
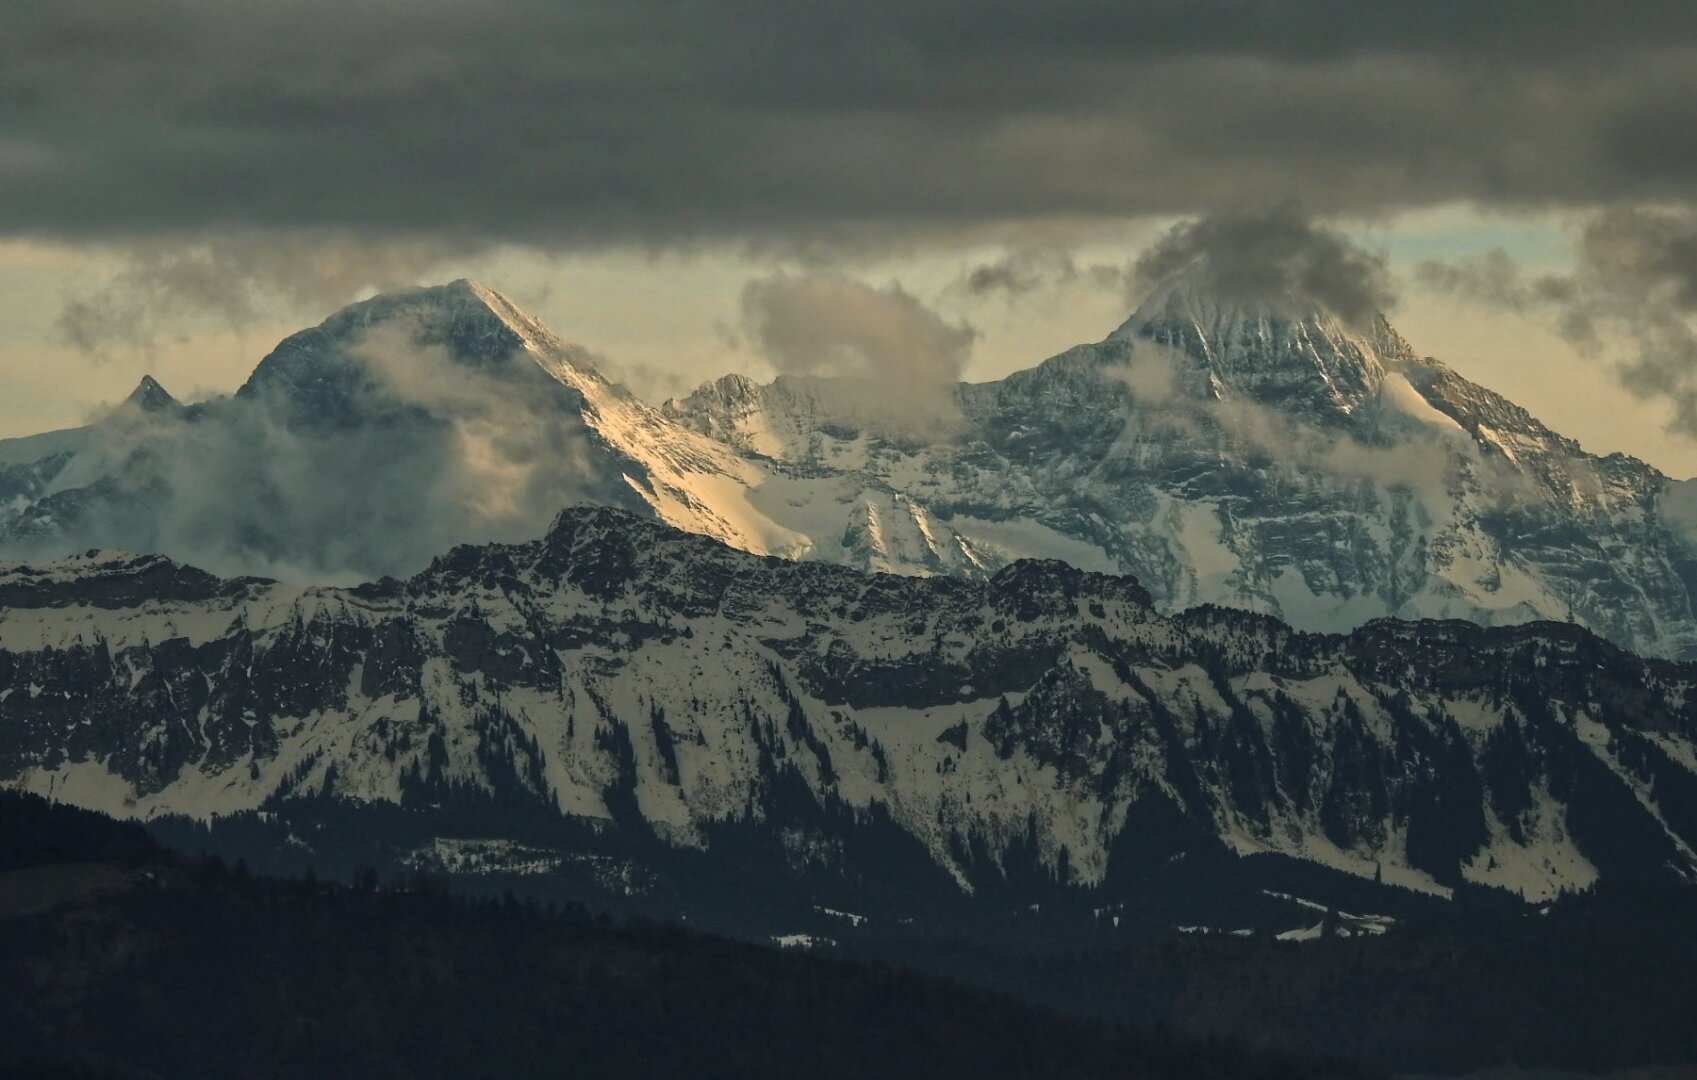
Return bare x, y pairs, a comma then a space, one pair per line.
409, 422
1045, 724
1272, 456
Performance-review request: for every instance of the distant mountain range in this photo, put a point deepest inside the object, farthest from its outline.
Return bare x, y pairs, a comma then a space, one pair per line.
633, 715
648, 707
1272, 457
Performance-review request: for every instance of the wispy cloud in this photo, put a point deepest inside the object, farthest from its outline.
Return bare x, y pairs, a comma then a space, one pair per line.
894, 363
1634, 281
235, 279
456, 453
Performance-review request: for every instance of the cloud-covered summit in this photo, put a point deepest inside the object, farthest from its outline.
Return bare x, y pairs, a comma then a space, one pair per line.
361, 446
1271, 259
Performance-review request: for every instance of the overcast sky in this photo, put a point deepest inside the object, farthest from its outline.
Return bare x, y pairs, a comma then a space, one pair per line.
184, 181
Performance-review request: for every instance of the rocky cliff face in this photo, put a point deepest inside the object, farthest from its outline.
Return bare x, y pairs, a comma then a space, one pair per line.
654, 693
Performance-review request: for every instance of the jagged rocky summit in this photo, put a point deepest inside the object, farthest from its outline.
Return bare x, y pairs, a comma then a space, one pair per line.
1271, 456
1274, 458
602, 707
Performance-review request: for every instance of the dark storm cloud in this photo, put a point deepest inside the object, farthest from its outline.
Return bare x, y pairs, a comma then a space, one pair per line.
588, 122
1634, 280
1257, 257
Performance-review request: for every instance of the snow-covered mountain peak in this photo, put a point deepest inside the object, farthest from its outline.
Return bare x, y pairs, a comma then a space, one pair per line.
1278, 345
567, 362
1275, 456
1261, 451
325, 371
467, 314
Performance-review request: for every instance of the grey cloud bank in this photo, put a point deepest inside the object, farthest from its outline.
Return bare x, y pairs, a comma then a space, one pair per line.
673, 122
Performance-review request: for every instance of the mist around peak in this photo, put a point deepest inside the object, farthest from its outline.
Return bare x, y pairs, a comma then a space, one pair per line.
362, 447
1279, 261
